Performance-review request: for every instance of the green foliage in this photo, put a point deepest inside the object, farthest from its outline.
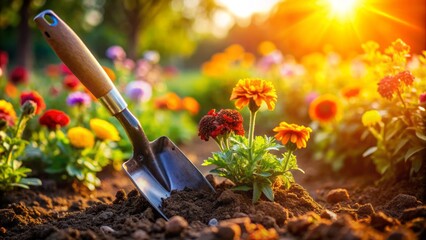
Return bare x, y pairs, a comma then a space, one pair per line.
260, 171
12, 172
400, 137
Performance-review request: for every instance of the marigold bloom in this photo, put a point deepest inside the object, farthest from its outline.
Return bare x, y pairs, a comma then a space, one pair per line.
208, 126
325, 108
388, 86
223, 122
296, 134
36, 98
19, 75
169, 101
371, 118
81, 137
7, 113
405, 77
191, 105
71, 82
256, 90
232, 121
54, 118
104, 130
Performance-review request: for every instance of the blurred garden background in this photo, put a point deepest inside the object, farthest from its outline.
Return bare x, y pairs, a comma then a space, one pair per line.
352, 70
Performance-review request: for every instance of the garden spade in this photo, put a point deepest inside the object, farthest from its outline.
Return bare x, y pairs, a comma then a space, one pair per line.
157, 167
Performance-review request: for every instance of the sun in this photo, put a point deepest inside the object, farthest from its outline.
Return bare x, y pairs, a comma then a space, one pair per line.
343, 8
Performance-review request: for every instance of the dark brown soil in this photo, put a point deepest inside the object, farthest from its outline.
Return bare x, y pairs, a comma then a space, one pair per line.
323, 206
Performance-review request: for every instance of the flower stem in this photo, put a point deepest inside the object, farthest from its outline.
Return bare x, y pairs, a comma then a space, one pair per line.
406, 111
289, 152
251, 132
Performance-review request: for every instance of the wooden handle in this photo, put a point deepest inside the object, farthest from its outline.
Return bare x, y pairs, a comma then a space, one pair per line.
72, 51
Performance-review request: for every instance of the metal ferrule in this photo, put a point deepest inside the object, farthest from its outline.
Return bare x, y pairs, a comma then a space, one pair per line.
113, 101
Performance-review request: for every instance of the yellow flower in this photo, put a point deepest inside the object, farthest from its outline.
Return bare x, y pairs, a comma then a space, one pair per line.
7, 113
81, 137
104, 130
296, 134
255, 90
371, 118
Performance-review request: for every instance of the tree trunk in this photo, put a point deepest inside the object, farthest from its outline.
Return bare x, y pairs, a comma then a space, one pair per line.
24, 53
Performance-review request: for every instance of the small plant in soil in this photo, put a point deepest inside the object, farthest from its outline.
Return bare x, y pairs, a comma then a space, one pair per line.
80, 153
248, 161
12, 173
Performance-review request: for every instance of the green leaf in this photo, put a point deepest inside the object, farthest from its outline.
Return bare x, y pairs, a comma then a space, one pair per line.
31, 181
74, 172
413, 151
263, 174
19, 185
242, 188
416, 164
369, 151
256, 192
267, 190
400, 145
421, 135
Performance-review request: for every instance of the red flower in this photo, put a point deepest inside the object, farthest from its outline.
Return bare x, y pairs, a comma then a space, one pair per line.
422, 98
54, 118
232, 121
208, 127
221, 123
19, 75
388, 86
3, 59
406, 77
64, 69
71, 82
36, 98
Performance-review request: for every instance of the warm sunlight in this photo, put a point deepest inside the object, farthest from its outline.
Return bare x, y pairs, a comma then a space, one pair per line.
246, 8
342, 7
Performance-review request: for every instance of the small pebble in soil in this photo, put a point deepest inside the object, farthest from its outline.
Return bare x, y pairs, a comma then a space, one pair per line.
229, 231
176, 225
327, 214
213, 222
337, 195
140, 235
106, 229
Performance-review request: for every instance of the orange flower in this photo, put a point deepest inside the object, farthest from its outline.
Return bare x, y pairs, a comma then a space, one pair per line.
11, 90
169, 101
191, 105
296, 134
325, 108
351, 91
256, 91
110, 73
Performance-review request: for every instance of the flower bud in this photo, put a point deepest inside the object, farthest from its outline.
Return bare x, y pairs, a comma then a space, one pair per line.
29, 108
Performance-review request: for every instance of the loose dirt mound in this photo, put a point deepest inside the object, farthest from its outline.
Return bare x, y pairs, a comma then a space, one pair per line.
226, 214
